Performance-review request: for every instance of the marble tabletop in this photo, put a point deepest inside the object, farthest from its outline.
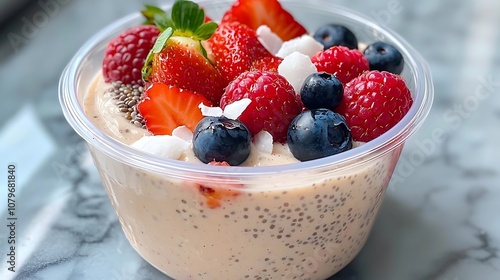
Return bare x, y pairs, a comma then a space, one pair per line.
440, 217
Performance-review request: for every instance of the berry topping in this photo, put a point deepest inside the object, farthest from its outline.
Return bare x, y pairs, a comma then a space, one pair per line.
167, 107
215, 193
273, 106
318, 133
384, 57
126, 53
255, 13
234, 48
373, 103
321, 90
178, 57
344, 63
221, 139
335, 35
267, 63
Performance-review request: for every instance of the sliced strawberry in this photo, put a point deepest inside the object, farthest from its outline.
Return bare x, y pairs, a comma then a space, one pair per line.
234, 48
255, 13
167, 107
215, 193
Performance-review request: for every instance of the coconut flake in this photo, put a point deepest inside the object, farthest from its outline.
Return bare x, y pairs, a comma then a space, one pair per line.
183, 132
210, 111
166, 146
304, 44
264, 142
231, 111
296, 67
269, 39
234, 110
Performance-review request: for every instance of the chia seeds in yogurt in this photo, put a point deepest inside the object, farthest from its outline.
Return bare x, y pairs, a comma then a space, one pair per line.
127, 97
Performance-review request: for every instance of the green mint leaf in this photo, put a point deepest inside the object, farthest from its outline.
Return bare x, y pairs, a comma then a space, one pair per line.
187, 16
206, 30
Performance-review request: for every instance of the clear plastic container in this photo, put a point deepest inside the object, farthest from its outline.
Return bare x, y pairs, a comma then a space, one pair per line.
297, 221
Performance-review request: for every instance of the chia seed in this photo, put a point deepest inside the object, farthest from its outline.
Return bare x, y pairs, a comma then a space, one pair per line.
127, 97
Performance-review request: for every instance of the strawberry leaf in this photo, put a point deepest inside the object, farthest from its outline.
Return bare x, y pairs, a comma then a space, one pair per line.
162, 21
161, 40
187, 17
206, 30
157, 47
204, 52
150, 12
187, 20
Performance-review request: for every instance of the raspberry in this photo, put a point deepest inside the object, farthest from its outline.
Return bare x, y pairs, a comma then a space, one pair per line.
373, 103
274, 102
342, 62
126, 53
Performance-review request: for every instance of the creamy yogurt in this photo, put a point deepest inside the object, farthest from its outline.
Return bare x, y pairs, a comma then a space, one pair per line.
290, 227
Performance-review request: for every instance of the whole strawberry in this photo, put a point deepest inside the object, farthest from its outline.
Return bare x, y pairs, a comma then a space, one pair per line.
125, 54
273, 105
234, 48
344, 63
373, 103
178, 57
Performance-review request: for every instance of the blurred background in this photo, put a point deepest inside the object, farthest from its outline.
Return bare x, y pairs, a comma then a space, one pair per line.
439, 220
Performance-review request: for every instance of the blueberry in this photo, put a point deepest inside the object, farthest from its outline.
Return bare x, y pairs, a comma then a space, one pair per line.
384, 57
335, 35
221, 139
321, 90
318, 133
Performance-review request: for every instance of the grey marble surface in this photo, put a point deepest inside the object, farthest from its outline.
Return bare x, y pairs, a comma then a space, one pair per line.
440, 217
